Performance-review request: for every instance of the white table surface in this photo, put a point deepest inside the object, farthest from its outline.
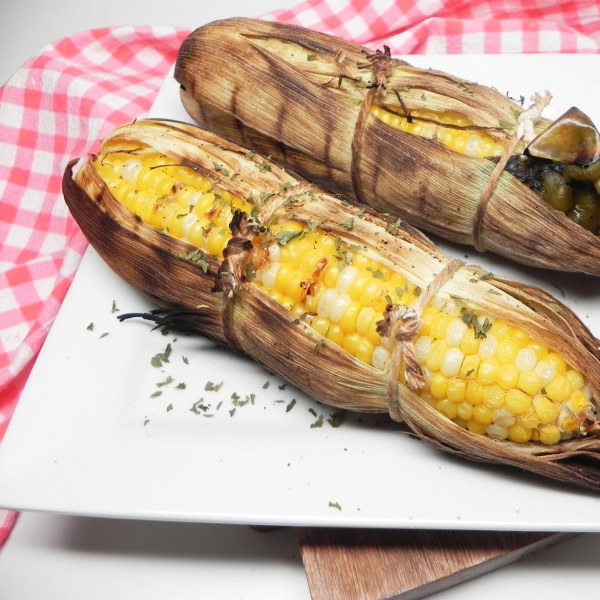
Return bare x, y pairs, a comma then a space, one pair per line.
64, 557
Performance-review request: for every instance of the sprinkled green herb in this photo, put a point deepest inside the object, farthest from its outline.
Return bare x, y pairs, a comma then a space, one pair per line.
487, 275
336, 419
266, 384
196, 256
311, 57
180, 386
335, 505
234, 396
146, 421
232, 412
199, 407
423, 97
185, 360
417, 291
543, 391
376, 273
283, 237
469, 372
103, 335
290, 405
221, 168
300, 318
156, 394
393, 228
167, 381
505, 124
312, 225
517, 113
161, 357
312, 411
219, 405
285, 186
360, 213
318, 346
249, 155
90, 327
282, 387
251, 398
388, 300
114, 308
264, 167
493, 291
169, 408
480, 329
403, 89
317, 423
222, 147
348, 224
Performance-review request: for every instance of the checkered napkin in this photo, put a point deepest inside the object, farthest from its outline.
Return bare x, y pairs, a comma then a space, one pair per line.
76, 90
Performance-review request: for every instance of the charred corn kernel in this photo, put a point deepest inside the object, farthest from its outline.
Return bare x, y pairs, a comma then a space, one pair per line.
479, 144
456, 390
516, 401
519, 433
545, 410
499, 382
549, 434
447, 408
559, 389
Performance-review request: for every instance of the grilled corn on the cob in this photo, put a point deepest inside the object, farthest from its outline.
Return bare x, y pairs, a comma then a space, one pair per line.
359, 122
490, 369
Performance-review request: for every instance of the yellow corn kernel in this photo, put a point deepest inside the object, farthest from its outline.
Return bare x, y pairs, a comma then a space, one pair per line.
476, 427
507, 350
488, 371
348, 321
557, 361
465, 410
336, 335
559, 389
427, 317
321, 325
529, 382
440, 325
482, 414
508, 376
520, 336
519, 433
456, 389
469, 344
516, 401
438, 386
474, 393
350, 342
447, 408
364, 351
549, 434
539, 348
576, 379
545, 410
436, 355
469, 367
501, 329
528, 419
579, 401
493, 396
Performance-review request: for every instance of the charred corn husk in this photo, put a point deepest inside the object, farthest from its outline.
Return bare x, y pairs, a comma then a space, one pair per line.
307, 284
414, 143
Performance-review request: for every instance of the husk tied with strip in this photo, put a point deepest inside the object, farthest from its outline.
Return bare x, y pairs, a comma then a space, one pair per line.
246, 318
297, 95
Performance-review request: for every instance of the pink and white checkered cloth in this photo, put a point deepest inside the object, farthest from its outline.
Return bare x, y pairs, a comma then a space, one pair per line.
76, 90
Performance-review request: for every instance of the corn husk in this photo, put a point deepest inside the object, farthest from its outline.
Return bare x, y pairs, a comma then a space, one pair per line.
253, 323
296, 95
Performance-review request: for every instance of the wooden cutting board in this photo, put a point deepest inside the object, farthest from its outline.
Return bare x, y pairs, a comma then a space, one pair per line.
386, 564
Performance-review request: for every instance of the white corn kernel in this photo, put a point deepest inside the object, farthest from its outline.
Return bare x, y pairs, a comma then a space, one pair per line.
496, 432
381, 358
422, 346
488, 347
526, 359
269, 275
326, 301
456, 332
452, 362
338, 307
545, 371
346, 279
131, 169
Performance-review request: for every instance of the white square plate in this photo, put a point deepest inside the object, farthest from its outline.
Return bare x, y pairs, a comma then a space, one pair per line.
91, 437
